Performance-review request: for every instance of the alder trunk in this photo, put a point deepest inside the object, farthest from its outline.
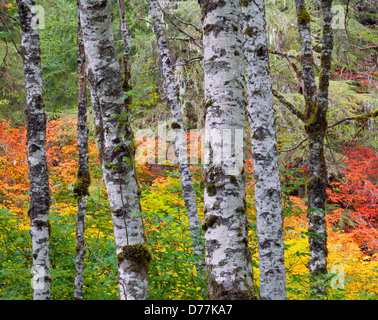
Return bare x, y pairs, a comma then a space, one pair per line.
83, 177
116, 148
261, 117
180, 135
126, 38
228, 260
315, 118
36, 139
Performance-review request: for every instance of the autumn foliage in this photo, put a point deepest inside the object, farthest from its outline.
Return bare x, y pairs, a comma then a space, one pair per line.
357, 194
62, 159
352, 226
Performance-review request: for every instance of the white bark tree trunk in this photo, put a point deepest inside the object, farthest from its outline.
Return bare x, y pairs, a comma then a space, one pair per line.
261, 117
83, 177
116, 148
36, 138
228, 260
180, 135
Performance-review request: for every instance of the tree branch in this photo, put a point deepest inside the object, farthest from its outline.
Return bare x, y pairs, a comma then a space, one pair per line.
296, 147
105, 267
181, 30
365, 116
288, 105
284, 54
185, 22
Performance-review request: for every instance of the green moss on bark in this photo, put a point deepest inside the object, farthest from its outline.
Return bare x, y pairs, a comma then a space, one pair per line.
304, 16
82, 183
211, 189
208, 222
208, 104
245, 3
217, 290
249, 31
139, 255
208, 6
211, 28
175, 125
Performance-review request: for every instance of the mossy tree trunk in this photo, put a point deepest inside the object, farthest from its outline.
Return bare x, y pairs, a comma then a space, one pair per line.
83, 177
126, 38
173, 101
307, 58
269, 215
315, 118
36, 140
228, 260
116, 148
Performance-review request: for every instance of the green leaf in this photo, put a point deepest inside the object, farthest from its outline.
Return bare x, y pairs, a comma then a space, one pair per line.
128, 160
5, 34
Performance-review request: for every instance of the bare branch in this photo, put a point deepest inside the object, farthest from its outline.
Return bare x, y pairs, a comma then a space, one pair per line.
185, 22
296, 147
284, 54
104, 265
181, 30
148, 21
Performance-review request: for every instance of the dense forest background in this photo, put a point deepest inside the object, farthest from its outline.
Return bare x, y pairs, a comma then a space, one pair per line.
351, 152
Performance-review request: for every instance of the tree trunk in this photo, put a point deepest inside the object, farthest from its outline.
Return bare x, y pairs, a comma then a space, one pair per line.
83, 177
36, 139
228, 260
264, 150
126, 38
304, 28
180, 135
117, 155
315, 118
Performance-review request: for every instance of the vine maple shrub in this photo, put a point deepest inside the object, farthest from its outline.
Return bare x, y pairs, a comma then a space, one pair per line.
357, 194
62, 160
13, 167
352, 229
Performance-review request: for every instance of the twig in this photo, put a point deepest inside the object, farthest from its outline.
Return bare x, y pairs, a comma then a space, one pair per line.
284, 54
365, 116
106, 268
148, 21
177, 65
182, 31
14, 43
296, 147
10, 17
185, 22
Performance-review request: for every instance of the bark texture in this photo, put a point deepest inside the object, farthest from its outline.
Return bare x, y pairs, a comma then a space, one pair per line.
116, 148
315, 118
83, 177
173, 102
228, 260
126, 38
264, 151
307, 59
36, 138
